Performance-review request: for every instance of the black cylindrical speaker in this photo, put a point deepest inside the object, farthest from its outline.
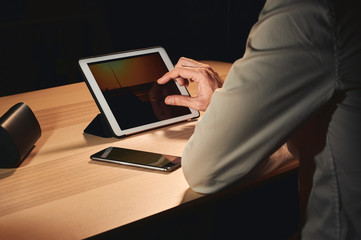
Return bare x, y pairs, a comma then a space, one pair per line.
19, 131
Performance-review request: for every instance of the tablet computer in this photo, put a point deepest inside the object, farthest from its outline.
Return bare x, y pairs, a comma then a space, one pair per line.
125, 89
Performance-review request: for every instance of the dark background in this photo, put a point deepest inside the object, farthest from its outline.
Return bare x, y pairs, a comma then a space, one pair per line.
41, 41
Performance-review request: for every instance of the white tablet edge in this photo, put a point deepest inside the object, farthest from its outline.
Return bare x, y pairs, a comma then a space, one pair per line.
102, 103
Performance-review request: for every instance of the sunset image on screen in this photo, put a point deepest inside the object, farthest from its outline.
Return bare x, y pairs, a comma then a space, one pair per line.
128, 72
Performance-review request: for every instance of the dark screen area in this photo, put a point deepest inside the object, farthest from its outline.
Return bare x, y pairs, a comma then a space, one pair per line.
137, 157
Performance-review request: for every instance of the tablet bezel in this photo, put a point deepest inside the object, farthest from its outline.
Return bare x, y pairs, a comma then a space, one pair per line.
102, 103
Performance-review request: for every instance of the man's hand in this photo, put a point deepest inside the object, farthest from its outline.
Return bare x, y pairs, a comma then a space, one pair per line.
189, 70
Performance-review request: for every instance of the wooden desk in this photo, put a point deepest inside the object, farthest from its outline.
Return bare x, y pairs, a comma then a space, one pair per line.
59, 193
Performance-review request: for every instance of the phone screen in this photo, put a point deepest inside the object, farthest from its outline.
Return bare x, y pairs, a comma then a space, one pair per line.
138, 158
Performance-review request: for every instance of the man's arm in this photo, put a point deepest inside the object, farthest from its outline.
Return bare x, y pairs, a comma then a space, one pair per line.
286, 74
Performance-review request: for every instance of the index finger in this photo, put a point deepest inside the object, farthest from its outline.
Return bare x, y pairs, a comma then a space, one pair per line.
187, 62
186, 73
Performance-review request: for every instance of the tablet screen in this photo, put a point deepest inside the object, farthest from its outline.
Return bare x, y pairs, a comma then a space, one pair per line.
129, 86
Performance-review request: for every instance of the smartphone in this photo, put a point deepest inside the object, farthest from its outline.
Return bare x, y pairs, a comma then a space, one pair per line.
137, 158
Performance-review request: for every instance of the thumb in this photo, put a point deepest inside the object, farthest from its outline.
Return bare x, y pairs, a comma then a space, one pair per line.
180, 100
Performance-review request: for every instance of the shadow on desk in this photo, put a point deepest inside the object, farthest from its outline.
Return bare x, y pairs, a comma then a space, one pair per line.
265, 210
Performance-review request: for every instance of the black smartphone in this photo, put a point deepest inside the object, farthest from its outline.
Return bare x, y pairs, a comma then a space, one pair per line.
137, 158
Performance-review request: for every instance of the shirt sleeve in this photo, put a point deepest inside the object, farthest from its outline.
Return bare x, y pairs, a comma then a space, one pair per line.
285, 75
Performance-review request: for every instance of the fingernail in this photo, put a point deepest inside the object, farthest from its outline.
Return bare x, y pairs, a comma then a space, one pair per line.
169, 101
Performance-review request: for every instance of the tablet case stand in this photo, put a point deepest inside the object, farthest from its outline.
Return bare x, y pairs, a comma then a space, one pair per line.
99, 127
19, 131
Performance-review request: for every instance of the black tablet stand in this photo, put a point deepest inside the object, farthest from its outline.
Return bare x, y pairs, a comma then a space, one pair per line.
99, 127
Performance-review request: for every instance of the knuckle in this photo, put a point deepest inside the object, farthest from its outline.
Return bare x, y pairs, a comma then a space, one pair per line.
200, 105
204, 71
